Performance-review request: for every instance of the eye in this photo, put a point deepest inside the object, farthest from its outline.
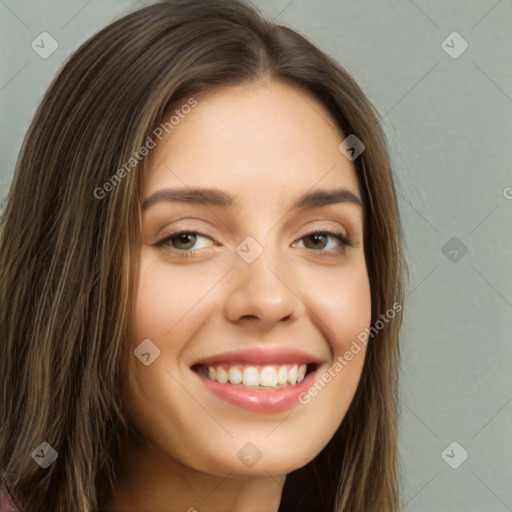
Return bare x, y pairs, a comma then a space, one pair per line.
180, 242
319, 238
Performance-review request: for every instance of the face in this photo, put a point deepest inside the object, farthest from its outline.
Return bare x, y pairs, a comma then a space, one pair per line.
250, 307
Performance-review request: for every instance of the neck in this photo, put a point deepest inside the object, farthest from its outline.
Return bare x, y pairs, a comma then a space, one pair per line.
148, 480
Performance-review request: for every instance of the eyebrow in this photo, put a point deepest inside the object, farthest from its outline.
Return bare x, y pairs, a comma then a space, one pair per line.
214, 197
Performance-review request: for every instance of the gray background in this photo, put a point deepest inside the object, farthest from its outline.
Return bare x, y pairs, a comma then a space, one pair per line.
448, 122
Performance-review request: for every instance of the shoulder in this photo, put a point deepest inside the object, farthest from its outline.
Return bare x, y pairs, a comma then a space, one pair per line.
6, 500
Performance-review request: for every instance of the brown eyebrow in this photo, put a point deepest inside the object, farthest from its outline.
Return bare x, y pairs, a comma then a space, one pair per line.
208, 196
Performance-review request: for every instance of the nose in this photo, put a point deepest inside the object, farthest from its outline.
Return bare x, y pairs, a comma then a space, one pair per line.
262, 294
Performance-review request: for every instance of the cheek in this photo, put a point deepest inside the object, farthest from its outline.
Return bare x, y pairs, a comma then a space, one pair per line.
167, 301
156, 318
164, 314
342, 302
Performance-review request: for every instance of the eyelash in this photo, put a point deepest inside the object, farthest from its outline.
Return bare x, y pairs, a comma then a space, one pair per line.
183, 253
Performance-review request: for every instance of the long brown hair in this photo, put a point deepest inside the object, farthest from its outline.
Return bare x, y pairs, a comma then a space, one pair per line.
67, 257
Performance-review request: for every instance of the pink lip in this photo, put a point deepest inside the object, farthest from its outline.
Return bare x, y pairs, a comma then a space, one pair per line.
261, 356
259, 400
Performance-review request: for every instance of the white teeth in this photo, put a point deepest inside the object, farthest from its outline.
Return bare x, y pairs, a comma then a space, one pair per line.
282, 376
235, 375
252, 376
222, 375
301, 372
268, 376
292, 375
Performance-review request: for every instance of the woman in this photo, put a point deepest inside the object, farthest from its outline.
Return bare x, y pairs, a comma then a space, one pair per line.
257, 371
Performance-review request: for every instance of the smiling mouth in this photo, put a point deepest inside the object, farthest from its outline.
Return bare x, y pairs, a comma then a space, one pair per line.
256, 376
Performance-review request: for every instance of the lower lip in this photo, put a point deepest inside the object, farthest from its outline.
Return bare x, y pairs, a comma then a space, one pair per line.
259, 400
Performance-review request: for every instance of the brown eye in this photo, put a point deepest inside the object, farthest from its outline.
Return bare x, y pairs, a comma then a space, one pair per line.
183, 239
182, 242
319, 239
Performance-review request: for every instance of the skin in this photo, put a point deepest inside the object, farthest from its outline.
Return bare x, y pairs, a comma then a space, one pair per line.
266, 144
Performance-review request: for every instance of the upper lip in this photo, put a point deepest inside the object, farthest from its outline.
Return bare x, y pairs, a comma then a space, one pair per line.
261, 356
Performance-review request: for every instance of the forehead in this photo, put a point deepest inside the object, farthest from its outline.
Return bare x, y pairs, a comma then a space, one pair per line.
262, 140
